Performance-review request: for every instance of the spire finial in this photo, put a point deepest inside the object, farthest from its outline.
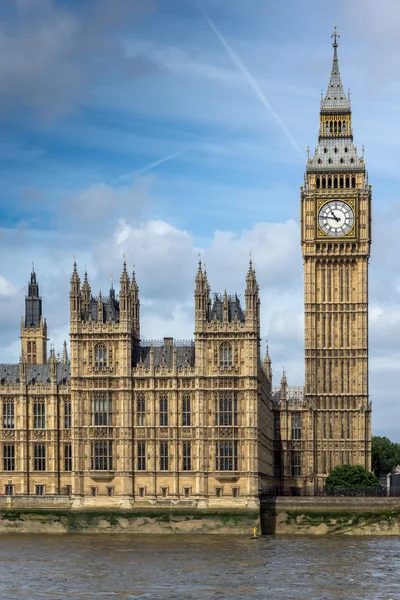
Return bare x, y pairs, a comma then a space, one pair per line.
335, 37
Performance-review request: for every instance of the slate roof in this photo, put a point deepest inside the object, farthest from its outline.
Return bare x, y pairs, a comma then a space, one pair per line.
294, 394
185, 354
234, 309
110, 308
11, 373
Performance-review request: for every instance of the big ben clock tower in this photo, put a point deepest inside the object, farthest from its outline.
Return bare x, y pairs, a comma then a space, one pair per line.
336, 239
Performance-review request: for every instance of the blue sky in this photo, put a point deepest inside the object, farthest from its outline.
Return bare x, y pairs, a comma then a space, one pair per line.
161, 129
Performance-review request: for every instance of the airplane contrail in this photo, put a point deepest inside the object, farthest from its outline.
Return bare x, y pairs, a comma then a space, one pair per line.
160, 161
151, 165
251, 81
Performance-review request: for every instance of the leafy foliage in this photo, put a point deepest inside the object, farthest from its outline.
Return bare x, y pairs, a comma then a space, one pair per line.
350, 477
385, 455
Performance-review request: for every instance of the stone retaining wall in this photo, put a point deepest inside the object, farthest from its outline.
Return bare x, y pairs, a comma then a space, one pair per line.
330, 515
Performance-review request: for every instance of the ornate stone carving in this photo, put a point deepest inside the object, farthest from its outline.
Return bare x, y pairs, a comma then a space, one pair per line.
101, 432
8, 434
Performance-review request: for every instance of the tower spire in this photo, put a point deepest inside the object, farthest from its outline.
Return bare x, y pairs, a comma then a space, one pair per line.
335, 97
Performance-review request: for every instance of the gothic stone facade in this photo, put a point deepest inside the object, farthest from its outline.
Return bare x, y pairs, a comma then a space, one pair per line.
140, 421
200, 421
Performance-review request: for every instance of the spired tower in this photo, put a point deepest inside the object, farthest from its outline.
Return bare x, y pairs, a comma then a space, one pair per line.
336, 239
33, 326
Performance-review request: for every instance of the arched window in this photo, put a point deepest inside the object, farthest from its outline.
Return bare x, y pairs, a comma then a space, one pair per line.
340, 127
331, 127
318, 182
344, 126
326, 127
335, 127
34, 359
100, 354
335, 182
353, 182
329, 182
225, 355
347, 182
341, 182
29, 346
324, 182
33, 346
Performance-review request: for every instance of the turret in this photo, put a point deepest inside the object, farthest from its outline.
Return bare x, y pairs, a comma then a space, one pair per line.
86, 294
202, 296
252, 297
267, 365
283, 386
124, 296
33, 326
75, 295
135, 306
100, 308
64, 359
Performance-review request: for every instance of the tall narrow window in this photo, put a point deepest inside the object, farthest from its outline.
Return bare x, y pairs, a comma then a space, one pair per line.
141, 456
277, 426
101, 409
163, 411
295, 463
187, 456
141, 409
100, 356
39, 415
39, 457
226, 456
101, 456
186, 421
296, 426
8, 414
68, 457
9, 457
225, 355
277, 463
226, 409
163, 456
67, 415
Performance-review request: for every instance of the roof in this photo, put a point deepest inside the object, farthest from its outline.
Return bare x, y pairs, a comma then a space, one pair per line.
294, 394
39, 373
234, 309
338, 153
163, 353
335, 97
110, 308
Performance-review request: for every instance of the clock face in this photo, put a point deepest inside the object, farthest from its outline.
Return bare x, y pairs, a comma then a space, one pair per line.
336, 218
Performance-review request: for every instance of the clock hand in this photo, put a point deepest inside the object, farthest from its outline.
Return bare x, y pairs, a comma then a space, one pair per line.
334, 216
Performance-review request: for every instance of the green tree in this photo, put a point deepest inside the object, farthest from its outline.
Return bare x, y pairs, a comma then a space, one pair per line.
350, 478
384, 455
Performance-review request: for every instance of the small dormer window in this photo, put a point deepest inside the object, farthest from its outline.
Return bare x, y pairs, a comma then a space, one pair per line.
330, 161
325, 150
352, 160
335, 150
341, 161
319, 161
346, 149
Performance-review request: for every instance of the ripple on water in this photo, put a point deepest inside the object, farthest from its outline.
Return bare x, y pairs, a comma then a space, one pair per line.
199, 567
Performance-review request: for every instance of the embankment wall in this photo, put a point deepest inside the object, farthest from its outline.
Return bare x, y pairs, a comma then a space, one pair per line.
330, 516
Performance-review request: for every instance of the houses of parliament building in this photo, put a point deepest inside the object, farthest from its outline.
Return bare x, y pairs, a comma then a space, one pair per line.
201, 422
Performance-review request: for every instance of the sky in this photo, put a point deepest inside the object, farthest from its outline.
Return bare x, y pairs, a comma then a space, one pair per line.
165, 129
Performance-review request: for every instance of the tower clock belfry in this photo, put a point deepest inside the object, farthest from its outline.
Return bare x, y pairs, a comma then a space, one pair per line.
336, 238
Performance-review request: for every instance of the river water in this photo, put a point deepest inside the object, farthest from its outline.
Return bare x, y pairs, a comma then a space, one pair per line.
193, 568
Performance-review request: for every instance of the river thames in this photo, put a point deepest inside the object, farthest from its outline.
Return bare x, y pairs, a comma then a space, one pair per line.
210, 567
